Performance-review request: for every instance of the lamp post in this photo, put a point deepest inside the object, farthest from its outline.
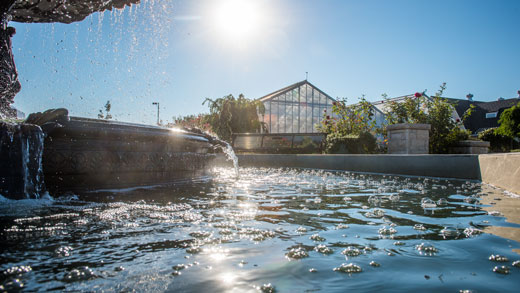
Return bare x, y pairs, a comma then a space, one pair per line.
156, 103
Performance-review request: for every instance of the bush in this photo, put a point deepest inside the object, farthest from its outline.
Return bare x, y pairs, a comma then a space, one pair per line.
436, 111
498, 142
363, 143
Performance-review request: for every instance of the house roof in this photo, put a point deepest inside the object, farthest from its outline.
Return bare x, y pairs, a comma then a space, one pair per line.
477, 121
290, 88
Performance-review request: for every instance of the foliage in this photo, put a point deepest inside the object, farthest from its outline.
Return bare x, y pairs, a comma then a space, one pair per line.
362, 143
106, 115
229, 115
498, 142
437, 112
192, 121
347, 120
349, 128
509, 122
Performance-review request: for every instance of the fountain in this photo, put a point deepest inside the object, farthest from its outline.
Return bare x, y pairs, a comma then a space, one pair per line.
74, 153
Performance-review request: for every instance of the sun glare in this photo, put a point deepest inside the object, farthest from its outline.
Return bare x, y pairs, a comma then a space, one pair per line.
238, 20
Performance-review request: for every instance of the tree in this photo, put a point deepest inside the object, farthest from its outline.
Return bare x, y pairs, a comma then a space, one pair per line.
106, 115
509, 122
229, 115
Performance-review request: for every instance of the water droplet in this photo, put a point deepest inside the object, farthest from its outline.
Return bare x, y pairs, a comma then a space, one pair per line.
374, 264
313, 270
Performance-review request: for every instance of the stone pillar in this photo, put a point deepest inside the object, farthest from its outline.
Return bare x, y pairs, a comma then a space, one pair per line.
408, 138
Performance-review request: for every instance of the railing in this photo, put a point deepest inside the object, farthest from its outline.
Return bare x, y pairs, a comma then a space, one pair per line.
302, 143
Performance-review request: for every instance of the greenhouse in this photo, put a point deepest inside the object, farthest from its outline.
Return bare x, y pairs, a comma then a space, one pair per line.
298, 108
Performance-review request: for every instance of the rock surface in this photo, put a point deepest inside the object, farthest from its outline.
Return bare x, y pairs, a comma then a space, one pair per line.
65, 11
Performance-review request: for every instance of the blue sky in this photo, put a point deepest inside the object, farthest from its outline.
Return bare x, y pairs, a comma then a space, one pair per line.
177, 53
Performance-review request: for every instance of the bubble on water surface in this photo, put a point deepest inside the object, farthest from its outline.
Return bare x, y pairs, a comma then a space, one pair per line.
317, 237
80, 274
375, 213
470, 231
313, 270
504, 270
448, 232
194, 250
63, 251
419, 227
179, 267
301, 229
427, 203
374, 199
297, 253
426, 249
351, 251
442, 202
495, 213
266, 288
348, 268
374, 264
387, 231
323, 249
498, 258
201, 234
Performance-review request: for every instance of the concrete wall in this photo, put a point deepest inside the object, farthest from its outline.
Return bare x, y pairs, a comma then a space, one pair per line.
502, 170
449, 166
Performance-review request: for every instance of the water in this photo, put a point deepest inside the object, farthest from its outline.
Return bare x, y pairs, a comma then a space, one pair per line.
272, 230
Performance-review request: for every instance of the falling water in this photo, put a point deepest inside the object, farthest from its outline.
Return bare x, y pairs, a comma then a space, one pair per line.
230, 153
21, 146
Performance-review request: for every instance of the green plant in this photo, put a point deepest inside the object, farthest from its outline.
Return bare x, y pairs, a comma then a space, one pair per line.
498, 142
199, 121
349, 128
106, 115
436, 111
347, 120
229, 115
362, 143
509, 122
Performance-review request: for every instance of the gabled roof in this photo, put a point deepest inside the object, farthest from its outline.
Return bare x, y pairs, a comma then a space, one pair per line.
290, 88
477, 121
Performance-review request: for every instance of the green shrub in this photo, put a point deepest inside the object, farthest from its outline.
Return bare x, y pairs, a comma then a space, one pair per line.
363, 143
436, 111
498, 142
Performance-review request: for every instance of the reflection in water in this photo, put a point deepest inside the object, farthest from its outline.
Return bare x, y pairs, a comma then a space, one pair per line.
270, 230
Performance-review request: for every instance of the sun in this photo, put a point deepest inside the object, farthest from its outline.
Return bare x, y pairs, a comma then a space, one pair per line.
238, 20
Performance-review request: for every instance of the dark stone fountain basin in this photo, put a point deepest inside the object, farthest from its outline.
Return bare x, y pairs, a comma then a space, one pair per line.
90, 154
